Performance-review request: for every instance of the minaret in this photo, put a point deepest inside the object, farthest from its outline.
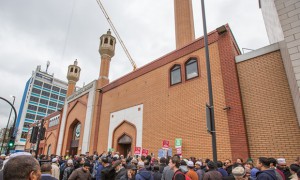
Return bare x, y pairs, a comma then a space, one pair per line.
107, 51
73, 77
184, 22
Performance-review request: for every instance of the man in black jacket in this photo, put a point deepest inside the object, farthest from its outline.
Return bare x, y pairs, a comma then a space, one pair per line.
265, 173
108, 172
120, 170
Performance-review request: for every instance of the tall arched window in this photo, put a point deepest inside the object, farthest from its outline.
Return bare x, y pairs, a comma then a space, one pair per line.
111, 42
175, 74
71, 70
191, 69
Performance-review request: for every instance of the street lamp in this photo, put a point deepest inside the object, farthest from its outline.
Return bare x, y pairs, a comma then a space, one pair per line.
4, 136
210, 107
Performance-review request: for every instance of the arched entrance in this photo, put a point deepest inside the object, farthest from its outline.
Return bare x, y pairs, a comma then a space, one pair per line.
75, 139
124, 138
124, 144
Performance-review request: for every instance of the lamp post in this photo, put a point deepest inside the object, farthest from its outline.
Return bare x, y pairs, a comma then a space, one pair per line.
15, 112
211, 102
4, 136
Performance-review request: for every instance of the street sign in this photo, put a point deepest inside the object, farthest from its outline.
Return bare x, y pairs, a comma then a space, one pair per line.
179, 151
178, 142
145, 152
137, 150
161, 153
166, 144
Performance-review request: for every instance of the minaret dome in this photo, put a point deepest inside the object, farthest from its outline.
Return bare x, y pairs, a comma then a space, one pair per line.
73, 76
107, 44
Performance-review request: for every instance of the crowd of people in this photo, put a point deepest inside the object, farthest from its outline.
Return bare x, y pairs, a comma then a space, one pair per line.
113, 166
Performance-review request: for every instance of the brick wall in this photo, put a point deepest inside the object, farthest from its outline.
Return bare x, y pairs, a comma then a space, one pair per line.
173, 112
271, 120
236, 125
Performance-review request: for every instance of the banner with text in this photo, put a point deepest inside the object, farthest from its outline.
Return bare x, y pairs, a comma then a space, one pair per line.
137, 150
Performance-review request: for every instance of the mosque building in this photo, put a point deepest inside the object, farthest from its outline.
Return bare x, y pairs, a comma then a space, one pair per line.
166, 99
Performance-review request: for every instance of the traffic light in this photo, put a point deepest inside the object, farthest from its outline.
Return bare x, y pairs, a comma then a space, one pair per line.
11, 143
34, 133
42, 136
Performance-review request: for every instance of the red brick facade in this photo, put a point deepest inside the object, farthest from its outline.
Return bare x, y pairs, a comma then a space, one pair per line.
271, 121
254, 113
178, 111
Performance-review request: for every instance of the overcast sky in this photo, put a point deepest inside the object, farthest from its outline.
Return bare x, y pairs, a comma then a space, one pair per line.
34, 31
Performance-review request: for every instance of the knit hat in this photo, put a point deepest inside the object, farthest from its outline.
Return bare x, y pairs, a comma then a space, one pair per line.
141, 165
190, 164
211, 165
238, 171
198, 163
281, 161
54, 160
134, 161
70, 161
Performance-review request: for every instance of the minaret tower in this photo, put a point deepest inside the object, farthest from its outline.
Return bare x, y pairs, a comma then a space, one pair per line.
184, 22
73, 77
107, 51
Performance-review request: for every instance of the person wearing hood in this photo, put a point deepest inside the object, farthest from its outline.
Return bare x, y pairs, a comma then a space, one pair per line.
183, 166
143, 173
264, 173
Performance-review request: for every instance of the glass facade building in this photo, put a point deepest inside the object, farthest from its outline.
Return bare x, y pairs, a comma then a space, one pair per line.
42, 96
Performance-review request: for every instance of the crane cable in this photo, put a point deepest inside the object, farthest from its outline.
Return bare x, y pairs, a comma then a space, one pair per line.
117, 34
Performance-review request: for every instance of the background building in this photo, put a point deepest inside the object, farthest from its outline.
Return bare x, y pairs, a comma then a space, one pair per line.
42, 96
48, 144
282, 20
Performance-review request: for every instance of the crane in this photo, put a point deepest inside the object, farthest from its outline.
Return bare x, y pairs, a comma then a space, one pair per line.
117, 34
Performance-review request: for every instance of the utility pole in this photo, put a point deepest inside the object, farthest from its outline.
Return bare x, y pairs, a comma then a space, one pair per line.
39, 138
211, 102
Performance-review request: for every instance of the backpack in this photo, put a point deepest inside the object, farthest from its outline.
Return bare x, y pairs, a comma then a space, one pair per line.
185, 176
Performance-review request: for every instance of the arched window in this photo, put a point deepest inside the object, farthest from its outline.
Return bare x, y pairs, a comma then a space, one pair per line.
75, 70
76, 132
111, 42
71, 70
175, 74
191, 69
105, 40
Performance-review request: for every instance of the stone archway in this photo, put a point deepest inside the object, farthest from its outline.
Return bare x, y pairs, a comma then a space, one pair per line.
74, 137
124, 138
